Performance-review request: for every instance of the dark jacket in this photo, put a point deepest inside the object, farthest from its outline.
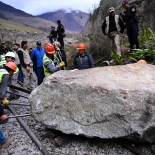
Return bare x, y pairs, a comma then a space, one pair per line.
83, 61
130, 15
60, 30
1, 109
53, 34
4, 50
3, 89
112, 25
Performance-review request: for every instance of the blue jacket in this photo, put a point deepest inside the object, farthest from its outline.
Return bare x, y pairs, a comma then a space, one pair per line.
37, 57
83, 61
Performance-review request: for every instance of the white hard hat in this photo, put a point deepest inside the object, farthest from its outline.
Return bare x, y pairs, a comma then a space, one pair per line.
10, 54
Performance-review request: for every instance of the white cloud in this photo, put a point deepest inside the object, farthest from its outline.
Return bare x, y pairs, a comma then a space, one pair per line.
36, 7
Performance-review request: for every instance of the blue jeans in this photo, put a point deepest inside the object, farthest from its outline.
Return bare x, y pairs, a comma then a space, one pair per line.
21, 76
40, 74
2, 137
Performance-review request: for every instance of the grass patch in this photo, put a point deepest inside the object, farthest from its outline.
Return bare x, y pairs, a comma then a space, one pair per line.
17, 27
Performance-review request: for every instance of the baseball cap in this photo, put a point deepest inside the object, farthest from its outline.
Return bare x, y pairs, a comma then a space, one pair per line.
125, 2
38, 43
111, 9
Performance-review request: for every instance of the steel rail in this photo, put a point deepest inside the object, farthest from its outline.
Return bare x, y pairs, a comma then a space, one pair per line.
19, 104
15, 116
20, 89
17, 94
30, 133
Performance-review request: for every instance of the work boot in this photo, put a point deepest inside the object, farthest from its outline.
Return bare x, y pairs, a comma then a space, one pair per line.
106, 63
7, 143
112, 62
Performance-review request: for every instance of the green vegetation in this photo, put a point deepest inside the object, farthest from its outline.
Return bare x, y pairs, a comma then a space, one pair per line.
147, 38
4, 24
147, 42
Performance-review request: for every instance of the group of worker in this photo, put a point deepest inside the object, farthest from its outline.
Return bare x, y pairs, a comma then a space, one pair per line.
114, 25
20, 64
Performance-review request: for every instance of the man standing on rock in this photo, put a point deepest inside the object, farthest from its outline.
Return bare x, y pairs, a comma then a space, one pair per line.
53, 35
113, 27
61, 35
129, 17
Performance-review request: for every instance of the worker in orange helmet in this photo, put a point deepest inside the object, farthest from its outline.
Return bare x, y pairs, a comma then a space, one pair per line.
141, 61
51, 63
5, 75
82, 60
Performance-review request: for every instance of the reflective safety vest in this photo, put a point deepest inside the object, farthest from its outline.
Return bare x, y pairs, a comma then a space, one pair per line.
16, 71
2, 60
2, 72
46, 59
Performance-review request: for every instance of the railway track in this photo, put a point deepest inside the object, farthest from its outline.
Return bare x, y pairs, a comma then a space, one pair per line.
29, 132
62, 139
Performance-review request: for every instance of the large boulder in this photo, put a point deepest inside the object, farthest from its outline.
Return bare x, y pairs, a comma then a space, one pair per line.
105, 102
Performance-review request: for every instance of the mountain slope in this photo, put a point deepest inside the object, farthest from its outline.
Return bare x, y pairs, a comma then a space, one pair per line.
73, 21
9, 13
12, 10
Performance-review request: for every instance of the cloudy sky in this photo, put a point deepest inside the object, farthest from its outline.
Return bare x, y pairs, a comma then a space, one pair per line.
36, 7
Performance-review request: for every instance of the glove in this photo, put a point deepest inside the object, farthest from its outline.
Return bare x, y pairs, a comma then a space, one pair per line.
57, 49
62, 64
5, 101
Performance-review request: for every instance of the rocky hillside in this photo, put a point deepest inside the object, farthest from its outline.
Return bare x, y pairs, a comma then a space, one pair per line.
99, 43
73, 21
148, 14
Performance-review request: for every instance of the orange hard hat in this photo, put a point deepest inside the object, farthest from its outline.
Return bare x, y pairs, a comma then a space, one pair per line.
49, 48
11, 65
142, 61
81, 46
